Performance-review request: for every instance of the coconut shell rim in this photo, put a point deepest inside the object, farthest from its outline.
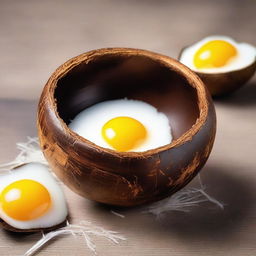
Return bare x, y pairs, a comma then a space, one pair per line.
216, 73
191, 77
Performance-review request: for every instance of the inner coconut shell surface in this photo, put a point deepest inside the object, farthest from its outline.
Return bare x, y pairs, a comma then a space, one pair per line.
126, 178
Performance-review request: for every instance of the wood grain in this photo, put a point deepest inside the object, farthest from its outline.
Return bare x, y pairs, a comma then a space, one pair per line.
30, 51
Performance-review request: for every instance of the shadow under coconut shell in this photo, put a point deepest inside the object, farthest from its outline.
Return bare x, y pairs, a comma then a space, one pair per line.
208, 220
243, 97
205, 221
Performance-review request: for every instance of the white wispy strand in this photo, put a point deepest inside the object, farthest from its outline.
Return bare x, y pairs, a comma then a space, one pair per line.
213, 200
29, 152
117, 214
84, 229
182, 201
210, 198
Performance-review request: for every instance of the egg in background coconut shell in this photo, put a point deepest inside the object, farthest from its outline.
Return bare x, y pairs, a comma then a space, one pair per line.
224, 83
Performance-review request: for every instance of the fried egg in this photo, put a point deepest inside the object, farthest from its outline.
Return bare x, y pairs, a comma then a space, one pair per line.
123, 125
30, 198
218, 54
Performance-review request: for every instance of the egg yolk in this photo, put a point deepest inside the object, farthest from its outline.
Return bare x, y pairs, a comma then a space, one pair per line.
124, 133
25, 200
214, 54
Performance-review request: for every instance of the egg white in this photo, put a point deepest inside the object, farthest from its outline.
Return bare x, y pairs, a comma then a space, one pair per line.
37, 172
246, 55
90, 121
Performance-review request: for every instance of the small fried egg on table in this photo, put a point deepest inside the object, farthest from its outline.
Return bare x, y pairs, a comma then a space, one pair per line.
223, 64
31, 200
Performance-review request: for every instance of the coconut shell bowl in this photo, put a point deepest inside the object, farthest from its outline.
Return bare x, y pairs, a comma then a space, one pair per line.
126, 178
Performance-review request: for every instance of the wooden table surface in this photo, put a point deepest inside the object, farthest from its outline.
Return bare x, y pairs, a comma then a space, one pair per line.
37, 36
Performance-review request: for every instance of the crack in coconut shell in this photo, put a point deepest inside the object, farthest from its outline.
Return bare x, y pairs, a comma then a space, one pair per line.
188, 170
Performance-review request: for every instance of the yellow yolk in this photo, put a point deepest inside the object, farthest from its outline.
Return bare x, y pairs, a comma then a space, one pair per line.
214, 54
25, 200
124, 133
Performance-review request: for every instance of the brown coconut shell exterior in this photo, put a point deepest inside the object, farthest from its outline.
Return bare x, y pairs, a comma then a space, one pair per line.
222, 84
8, 227
126, 178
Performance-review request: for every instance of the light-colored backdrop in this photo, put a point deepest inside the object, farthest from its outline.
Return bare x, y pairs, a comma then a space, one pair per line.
37, 36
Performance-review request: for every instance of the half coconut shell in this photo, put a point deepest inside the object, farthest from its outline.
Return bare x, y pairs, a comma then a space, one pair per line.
126, 178
224, 83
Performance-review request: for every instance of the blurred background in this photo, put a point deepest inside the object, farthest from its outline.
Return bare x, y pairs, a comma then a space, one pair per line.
37, 36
